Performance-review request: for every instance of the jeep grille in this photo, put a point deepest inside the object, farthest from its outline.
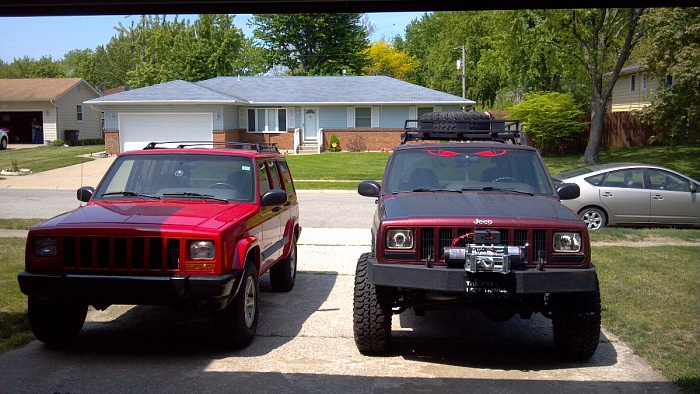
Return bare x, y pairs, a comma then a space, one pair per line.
137, 254
428, 242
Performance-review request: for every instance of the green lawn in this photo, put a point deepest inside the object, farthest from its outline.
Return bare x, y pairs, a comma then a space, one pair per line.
45, 158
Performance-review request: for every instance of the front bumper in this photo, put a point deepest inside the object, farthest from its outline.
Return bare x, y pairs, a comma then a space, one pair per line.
455, 280
195, 290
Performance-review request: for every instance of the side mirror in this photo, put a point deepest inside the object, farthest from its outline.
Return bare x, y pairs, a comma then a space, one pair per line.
85, 193
568, 191
369, 189
274, 198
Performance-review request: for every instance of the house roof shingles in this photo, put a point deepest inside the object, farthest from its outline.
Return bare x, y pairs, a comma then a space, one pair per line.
286, 91
35, 89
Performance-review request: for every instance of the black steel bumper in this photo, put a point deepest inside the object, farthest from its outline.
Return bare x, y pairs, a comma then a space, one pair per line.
458, 281
195, 290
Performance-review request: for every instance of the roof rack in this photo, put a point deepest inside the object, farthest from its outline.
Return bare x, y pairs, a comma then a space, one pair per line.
256, 146
462, 130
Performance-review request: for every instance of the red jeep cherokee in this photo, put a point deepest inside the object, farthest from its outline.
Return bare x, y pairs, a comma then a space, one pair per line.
189, 226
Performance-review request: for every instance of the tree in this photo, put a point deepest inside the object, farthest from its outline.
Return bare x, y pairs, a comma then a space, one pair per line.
549, 118
673, 36
313, 44
384, 59
604, 37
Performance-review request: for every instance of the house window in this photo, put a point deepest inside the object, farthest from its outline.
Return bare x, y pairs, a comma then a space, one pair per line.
669, 80
424, 110
633, 80
644, 82
267, 120
79, 113
363, 117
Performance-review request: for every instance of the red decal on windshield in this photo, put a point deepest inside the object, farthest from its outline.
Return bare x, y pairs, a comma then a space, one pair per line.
443, 153
491, 153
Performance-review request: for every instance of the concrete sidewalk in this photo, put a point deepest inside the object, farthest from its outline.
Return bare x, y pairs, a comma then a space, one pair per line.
65, 178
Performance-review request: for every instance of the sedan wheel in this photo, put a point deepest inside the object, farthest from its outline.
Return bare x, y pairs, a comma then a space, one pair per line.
594, 218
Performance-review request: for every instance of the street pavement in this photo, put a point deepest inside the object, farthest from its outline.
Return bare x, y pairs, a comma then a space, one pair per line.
304, 341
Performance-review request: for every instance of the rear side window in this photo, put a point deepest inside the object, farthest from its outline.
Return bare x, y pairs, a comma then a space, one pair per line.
264, 178
274, 175
286, 176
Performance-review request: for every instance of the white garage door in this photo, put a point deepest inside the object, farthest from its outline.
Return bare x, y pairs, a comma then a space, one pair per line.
137, 130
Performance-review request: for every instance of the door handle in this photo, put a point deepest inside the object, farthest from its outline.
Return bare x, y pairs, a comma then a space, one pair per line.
657, 197
607, 194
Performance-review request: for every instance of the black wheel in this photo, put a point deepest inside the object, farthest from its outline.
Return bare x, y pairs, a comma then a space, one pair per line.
3, 144
371, 312
236, 324
576, 324
594, 218
55, 322
284, 273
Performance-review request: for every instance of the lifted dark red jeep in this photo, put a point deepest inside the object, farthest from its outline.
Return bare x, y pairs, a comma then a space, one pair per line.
474, 223
184, 224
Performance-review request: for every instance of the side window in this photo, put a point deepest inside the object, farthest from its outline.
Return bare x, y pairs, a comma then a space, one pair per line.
286, 176
263, 177
79, 113
274, 174
664, 180
595, 180
629, 179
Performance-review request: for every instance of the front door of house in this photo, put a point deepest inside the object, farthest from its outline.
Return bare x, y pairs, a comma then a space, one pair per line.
310, 124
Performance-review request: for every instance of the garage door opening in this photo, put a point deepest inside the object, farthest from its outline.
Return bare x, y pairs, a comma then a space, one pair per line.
19, 125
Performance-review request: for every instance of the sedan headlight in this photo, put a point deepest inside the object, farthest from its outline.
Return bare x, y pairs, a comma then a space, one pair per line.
567, 242
202, 250
399, 239
46, 247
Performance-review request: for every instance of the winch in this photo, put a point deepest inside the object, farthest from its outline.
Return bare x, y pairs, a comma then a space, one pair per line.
486, 256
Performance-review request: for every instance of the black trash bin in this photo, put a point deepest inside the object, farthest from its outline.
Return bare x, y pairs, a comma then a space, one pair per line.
71, 136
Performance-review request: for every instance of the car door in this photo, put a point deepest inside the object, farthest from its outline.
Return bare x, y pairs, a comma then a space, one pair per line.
672, 201
625, 197
271, 222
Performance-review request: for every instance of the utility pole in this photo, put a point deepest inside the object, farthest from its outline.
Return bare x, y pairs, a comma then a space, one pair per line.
460, 65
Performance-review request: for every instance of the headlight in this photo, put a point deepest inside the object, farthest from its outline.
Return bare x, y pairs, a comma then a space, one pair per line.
202, 250
46, 247
567, 242
399, 239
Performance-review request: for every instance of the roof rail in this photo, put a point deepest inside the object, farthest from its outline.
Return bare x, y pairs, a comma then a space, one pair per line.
256, 146
462, 130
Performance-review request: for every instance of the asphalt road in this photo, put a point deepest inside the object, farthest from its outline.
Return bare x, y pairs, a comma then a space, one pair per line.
304, 341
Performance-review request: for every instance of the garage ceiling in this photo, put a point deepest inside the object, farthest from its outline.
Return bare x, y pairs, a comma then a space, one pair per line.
137, 7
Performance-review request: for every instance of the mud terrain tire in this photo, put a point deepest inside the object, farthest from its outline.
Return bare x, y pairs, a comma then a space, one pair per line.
371, 311
576, 324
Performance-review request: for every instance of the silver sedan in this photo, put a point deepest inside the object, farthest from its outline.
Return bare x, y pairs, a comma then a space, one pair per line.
633, 194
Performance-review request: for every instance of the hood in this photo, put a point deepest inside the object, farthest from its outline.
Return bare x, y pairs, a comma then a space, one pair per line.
481, 205
205, 215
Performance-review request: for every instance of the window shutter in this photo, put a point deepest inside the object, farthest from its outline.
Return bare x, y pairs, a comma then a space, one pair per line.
351, 116
413, 112
375, 117
242, 124
291, 120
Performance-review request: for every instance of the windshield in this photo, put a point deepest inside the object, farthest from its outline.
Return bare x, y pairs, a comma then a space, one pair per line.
191, 176
467, 168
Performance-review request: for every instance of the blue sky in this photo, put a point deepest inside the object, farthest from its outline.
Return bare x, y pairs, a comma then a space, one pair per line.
54, 36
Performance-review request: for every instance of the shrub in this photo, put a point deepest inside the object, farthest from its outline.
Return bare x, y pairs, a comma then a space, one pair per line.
334, 144
357, 144
548, 118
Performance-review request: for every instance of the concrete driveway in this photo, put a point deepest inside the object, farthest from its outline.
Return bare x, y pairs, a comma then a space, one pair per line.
305, 342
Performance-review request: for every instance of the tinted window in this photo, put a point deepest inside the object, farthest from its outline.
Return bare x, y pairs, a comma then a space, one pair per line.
286, 176
664, 180
274, 175
629, 179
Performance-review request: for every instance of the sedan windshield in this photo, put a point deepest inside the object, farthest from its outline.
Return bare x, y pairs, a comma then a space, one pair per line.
190, 176
458, 169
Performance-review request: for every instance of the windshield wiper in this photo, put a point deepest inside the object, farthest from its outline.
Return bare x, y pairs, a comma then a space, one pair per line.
131, 194
506, 190
198, 195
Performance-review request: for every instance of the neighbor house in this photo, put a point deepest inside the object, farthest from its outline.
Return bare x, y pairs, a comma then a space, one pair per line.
295, 113
633, 89
56, 103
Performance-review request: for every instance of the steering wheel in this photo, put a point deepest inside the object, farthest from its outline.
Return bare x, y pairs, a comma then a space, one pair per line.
505, 179
222, 185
